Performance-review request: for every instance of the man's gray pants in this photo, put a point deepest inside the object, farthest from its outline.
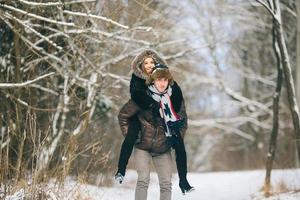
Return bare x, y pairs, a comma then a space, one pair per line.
163, 166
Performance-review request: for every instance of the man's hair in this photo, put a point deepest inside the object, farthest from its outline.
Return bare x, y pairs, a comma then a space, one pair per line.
160, 71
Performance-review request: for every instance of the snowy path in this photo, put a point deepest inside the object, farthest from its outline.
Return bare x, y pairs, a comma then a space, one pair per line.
240, 185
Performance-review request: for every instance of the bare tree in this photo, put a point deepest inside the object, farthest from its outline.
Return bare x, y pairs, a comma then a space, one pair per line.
276, 97
273, 7
298, 53
55, 56
64, 75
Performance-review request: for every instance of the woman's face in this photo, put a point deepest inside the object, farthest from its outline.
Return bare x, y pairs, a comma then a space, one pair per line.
161, 84
148, 65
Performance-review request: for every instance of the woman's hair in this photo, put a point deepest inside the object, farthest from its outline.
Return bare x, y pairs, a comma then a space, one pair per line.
144, 58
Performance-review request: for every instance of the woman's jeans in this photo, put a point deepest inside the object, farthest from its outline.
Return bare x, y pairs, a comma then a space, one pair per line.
163, 167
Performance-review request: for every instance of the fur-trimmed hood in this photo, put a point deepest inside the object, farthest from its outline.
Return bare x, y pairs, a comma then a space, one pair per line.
136, 64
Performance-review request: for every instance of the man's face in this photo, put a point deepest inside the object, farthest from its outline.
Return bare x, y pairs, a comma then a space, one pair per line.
161, 84
148, 65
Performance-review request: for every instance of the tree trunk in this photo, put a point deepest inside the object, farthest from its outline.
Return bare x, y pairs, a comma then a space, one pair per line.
288, 76
276, 97
19, 133
297, 68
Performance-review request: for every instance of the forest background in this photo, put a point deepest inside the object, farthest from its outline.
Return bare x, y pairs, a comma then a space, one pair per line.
65, 71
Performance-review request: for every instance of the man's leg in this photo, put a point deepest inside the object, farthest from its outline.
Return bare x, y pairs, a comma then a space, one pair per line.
163, 166
142, 163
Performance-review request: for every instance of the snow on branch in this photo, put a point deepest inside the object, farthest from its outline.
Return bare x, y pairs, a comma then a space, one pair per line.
95, 17
184, 52
34, 31
236, 131
241, 98
120, 78
29, 3
109, 35
44, 89
267, 7
233, 120
33, 63
44, 38
37, 48
289, 10
91, 89
46, 153
255, 77
36, 16
13, 85
121, 57
79, 1
172, 42
4, 144
50, 29
24, 103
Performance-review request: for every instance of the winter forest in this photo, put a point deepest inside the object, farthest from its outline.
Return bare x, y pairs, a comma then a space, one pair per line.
65, 74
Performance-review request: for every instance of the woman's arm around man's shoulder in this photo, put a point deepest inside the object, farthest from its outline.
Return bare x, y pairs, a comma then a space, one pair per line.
138, 92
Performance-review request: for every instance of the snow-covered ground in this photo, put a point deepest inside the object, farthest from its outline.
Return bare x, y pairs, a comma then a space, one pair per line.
239, 185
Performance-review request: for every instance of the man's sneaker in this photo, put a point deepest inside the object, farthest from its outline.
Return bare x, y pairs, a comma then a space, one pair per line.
119, 177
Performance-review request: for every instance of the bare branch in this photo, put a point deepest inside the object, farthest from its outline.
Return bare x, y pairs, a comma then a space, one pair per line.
95, 17
184, 52
33, 63
14, 85
36, 16
121, 57
47, 152
267, 7
236, 131
252, 76
23, 103
79, 1
29, 3
241, 98
109, 35
31, 45
4, 144
289, 10
34, 31
44, 89
232, 120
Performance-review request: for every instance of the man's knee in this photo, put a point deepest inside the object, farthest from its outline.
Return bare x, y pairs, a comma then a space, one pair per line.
165, 185
143, 182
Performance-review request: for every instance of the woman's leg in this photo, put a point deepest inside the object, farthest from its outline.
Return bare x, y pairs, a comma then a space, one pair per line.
128, 143
163, 166
181, 163
142, 163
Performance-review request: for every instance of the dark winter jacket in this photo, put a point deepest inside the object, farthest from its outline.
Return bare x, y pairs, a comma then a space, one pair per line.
138, 85
152, 137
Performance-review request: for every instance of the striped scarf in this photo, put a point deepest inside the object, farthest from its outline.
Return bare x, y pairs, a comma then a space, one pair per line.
166, 108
